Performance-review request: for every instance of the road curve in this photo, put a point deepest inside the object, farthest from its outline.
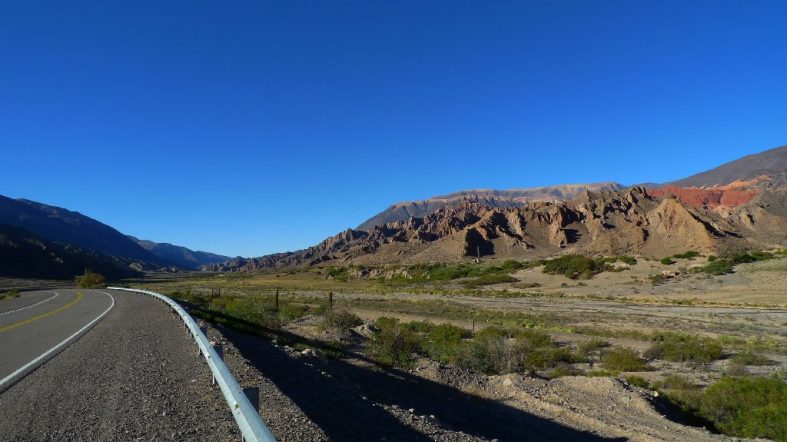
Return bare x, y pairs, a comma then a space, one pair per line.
134, 375
44, 324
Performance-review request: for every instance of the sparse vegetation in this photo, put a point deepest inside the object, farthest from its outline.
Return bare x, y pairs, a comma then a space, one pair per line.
394, 344
687, 255
718, 267
572, 266
750, 358
10, 294
622, 359
684, 348
667, 261
90, 280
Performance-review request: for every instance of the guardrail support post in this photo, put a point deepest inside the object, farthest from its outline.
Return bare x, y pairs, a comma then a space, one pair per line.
219, 349
253, 393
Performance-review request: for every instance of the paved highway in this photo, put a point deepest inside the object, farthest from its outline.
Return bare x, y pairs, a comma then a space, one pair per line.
135, 374
38, 322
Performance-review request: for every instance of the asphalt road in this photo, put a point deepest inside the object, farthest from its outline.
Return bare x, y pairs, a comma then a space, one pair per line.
36, 322
135, 375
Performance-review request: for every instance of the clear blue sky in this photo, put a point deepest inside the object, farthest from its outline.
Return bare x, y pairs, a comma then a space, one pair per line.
249, 127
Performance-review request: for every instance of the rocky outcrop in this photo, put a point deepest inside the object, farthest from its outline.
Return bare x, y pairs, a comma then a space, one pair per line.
602, 223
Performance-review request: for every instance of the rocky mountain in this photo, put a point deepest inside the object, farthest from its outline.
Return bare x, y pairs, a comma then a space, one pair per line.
488, 197
739, 205
595, 223
181, 256
24, 255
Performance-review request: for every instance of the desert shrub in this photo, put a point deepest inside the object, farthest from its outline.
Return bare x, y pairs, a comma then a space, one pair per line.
10, 294
525, 285
718, 267
667, 261
564, 370
90, 279
587, 347
712, 258
750, 358
545, 357
443, 343
742, 258
293, 311
511, 265
252, 311
394, 345
684, 348
339, 273
572, 266
761, 256
488, 354
622, 359
747, 407
638, 381
530, 338
489, 279
687, 255
342, 320
419, 326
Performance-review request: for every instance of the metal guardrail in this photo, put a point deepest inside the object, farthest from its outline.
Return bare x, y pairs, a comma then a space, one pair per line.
251, 426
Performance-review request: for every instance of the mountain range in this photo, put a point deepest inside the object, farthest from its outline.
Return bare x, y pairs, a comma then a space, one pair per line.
738, 205
39, 240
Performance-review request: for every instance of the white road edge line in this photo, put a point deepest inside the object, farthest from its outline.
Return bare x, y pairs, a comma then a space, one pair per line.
31, 306
37, 362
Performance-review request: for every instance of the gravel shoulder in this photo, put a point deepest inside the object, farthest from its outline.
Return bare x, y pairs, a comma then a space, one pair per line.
135, 375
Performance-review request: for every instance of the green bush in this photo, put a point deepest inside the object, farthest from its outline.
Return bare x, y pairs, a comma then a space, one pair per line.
488, 354
747, 407
293, 311
667, 261
718, 267
342, 320
687, 255
750, 358
394, 346
489, 279
684, 348
511, 265
712, 258
592, 345
638, 381
572, 266
742, 258
443, 343
90, 280
622, 359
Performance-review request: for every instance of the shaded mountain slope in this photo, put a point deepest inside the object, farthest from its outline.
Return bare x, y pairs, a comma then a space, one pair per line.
64, 226
24, 255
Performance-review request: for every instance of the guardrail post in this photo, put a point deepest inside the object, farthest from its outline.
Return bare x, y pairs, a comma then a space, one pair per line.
219, 349
253, 393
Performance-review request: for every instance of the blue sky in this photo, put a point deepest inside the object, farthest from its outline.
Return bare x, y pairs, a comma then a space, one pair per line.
251, 127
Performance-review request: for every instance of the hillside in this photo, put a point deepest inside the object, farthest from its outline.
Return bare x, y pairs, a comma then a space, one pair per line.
182, 257
60, 225
768, 166
24, 255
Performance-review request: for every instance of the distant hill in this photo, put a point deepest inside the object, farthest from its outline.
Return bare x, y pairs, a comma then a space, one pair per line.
770, 166
487, 197
67, 227
24, 255
35, 234
181, 256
